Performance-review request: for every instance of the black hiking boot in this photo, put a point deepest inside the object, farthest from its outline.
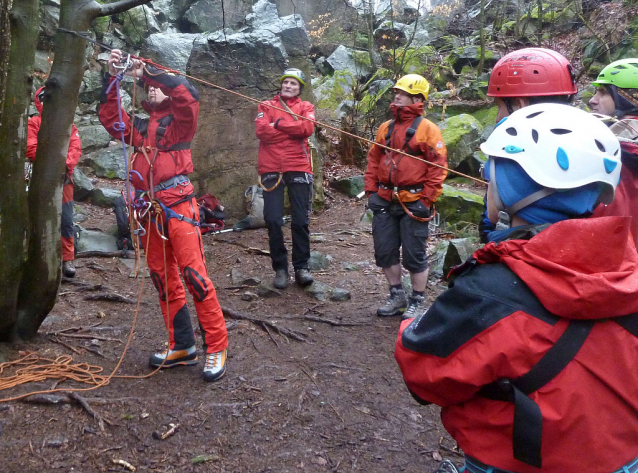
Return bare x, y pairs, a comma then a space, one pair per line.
281, 279
303, 277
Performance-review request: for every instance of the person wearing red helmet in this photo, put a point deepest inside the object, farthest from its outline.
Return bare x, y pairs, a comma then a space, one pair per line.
526, 77
73, 156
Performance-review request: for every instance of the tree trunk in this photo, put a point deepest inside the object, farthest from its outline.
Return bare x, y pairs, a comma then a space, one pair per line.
17, 56
42, 273
481, 63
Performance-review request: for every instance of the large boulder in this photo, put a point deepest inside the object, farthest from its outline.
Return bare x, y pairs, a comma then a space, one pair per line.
457, 205
351, 186
171, 49
213, 15
249, 62
462, 135
108, 162
96, 242
103, 197
171, 10
355, 63
471, 56
451, 253
93, 137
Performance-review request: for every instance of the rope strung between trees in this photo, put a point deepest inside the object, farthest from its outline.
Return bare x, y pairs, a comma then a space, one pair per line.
251, 99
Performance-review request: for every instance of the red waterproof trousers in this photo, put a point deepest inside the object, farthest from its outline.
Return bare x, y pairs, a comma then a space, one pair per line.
184, 252
68, 247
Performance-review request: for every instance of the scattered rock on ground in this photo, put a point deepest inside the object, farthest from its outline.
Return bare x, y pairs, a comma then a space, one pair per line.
267, 290
82, 185
319, 261
91, 240
339, 295
318, 290
450, 253
249, 296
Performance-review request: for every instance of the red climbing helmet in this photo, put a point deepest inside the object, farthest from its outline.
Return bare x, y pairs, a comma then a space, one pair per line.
532, 72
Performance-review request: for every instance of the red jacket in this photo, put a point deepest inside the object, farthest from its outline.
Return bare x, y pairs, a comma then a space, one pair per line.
177, 114
399, 170
625, 202
75, 146
503, 314
284, 146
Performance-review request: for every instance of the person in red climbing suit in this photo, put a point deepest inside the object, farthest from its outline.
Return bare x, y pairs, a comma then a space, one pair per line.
160, 167
72, 158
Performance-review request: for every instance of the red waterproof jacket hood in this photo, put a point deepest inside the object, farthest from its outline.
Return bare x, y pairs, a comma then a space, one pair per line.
599, 277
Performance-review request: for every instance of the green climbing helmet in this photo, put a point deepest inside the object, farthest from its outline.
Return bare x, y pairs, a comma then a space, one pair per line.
295, 74
622, 74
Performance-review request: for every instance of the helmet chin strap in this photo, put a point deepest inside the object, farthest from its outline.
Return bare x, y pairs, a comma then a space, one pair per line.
505, 214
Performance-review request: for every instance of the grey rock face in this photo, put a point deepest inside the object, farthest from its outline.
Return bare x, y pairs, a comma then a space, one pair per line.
171, 10
343, 59
93, 137
172, 49
207, 15
91, 87
462, 135
82, 185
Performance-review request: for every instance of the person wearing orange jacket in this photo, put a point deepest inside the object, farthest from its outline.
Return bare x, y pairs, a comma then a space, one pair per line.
402, 191
284, 161
160, 167
72, 158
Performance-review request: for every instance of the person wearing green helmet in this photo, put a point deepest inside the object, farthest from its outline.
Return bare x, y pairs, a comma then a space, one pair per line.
617, 97
617, 93
284, 162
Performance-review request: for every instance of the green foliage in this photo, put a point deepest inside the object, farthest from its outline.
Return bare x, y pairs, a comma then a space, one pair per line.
486, 116
134, 25
340, 89
101, 25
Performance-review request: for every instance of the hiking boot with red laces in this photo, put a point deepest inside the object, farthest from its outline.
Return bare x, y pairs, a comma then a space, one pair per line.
215, 366
170, 358
68, 269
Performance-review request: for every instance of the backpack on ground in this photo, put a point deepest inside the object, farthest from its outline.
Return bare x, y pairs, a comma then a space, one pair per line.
211, 214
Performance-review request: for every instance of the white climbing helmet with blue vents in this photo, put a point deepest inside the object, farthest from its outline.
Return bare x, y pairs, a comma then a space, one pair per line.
559, 147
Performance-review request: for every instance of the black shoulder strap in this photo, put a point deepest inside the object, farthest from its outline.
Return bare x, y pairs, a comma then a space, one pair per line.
162, 125
528, 419
409, 134
388, 135
629, 323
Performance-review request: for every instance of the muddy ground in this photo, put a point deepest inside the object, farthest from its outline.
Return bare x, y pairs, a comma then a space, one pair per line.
335, 402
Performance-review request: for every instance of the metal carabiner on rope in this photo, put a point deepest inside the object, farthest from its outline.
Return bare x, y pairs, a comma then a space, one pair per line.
125, 65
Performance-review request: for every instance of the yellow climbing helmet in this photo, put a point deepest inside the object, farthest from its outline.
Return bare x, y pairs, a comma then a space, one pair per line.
413, 84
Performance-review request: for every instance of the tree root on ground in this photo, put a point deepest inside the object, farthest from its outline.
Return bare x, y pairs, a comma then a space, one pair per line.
265, 325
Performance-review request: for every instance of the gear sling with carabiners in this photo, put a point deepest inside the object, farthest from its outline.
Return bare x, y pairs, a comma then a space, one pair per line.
410, 190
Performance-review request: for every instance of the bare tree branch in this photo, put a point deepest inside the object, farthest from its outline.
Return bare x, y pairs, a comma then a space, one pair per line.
119, 7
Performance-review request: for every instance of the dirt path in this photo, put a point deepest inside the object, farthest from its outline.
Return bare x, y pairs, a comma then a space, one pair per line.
334, 403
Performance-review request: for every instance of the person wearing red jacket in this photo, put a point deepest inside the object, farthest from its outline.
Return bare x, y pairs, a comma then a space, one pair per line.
617, 97
72, 158
284, 161
160, 166
526, 77
532, 351
401, 191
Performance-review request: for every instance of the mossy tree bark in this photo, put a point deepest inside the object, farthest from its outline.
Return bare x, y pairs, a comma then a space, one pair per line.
41, 273
19, 25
